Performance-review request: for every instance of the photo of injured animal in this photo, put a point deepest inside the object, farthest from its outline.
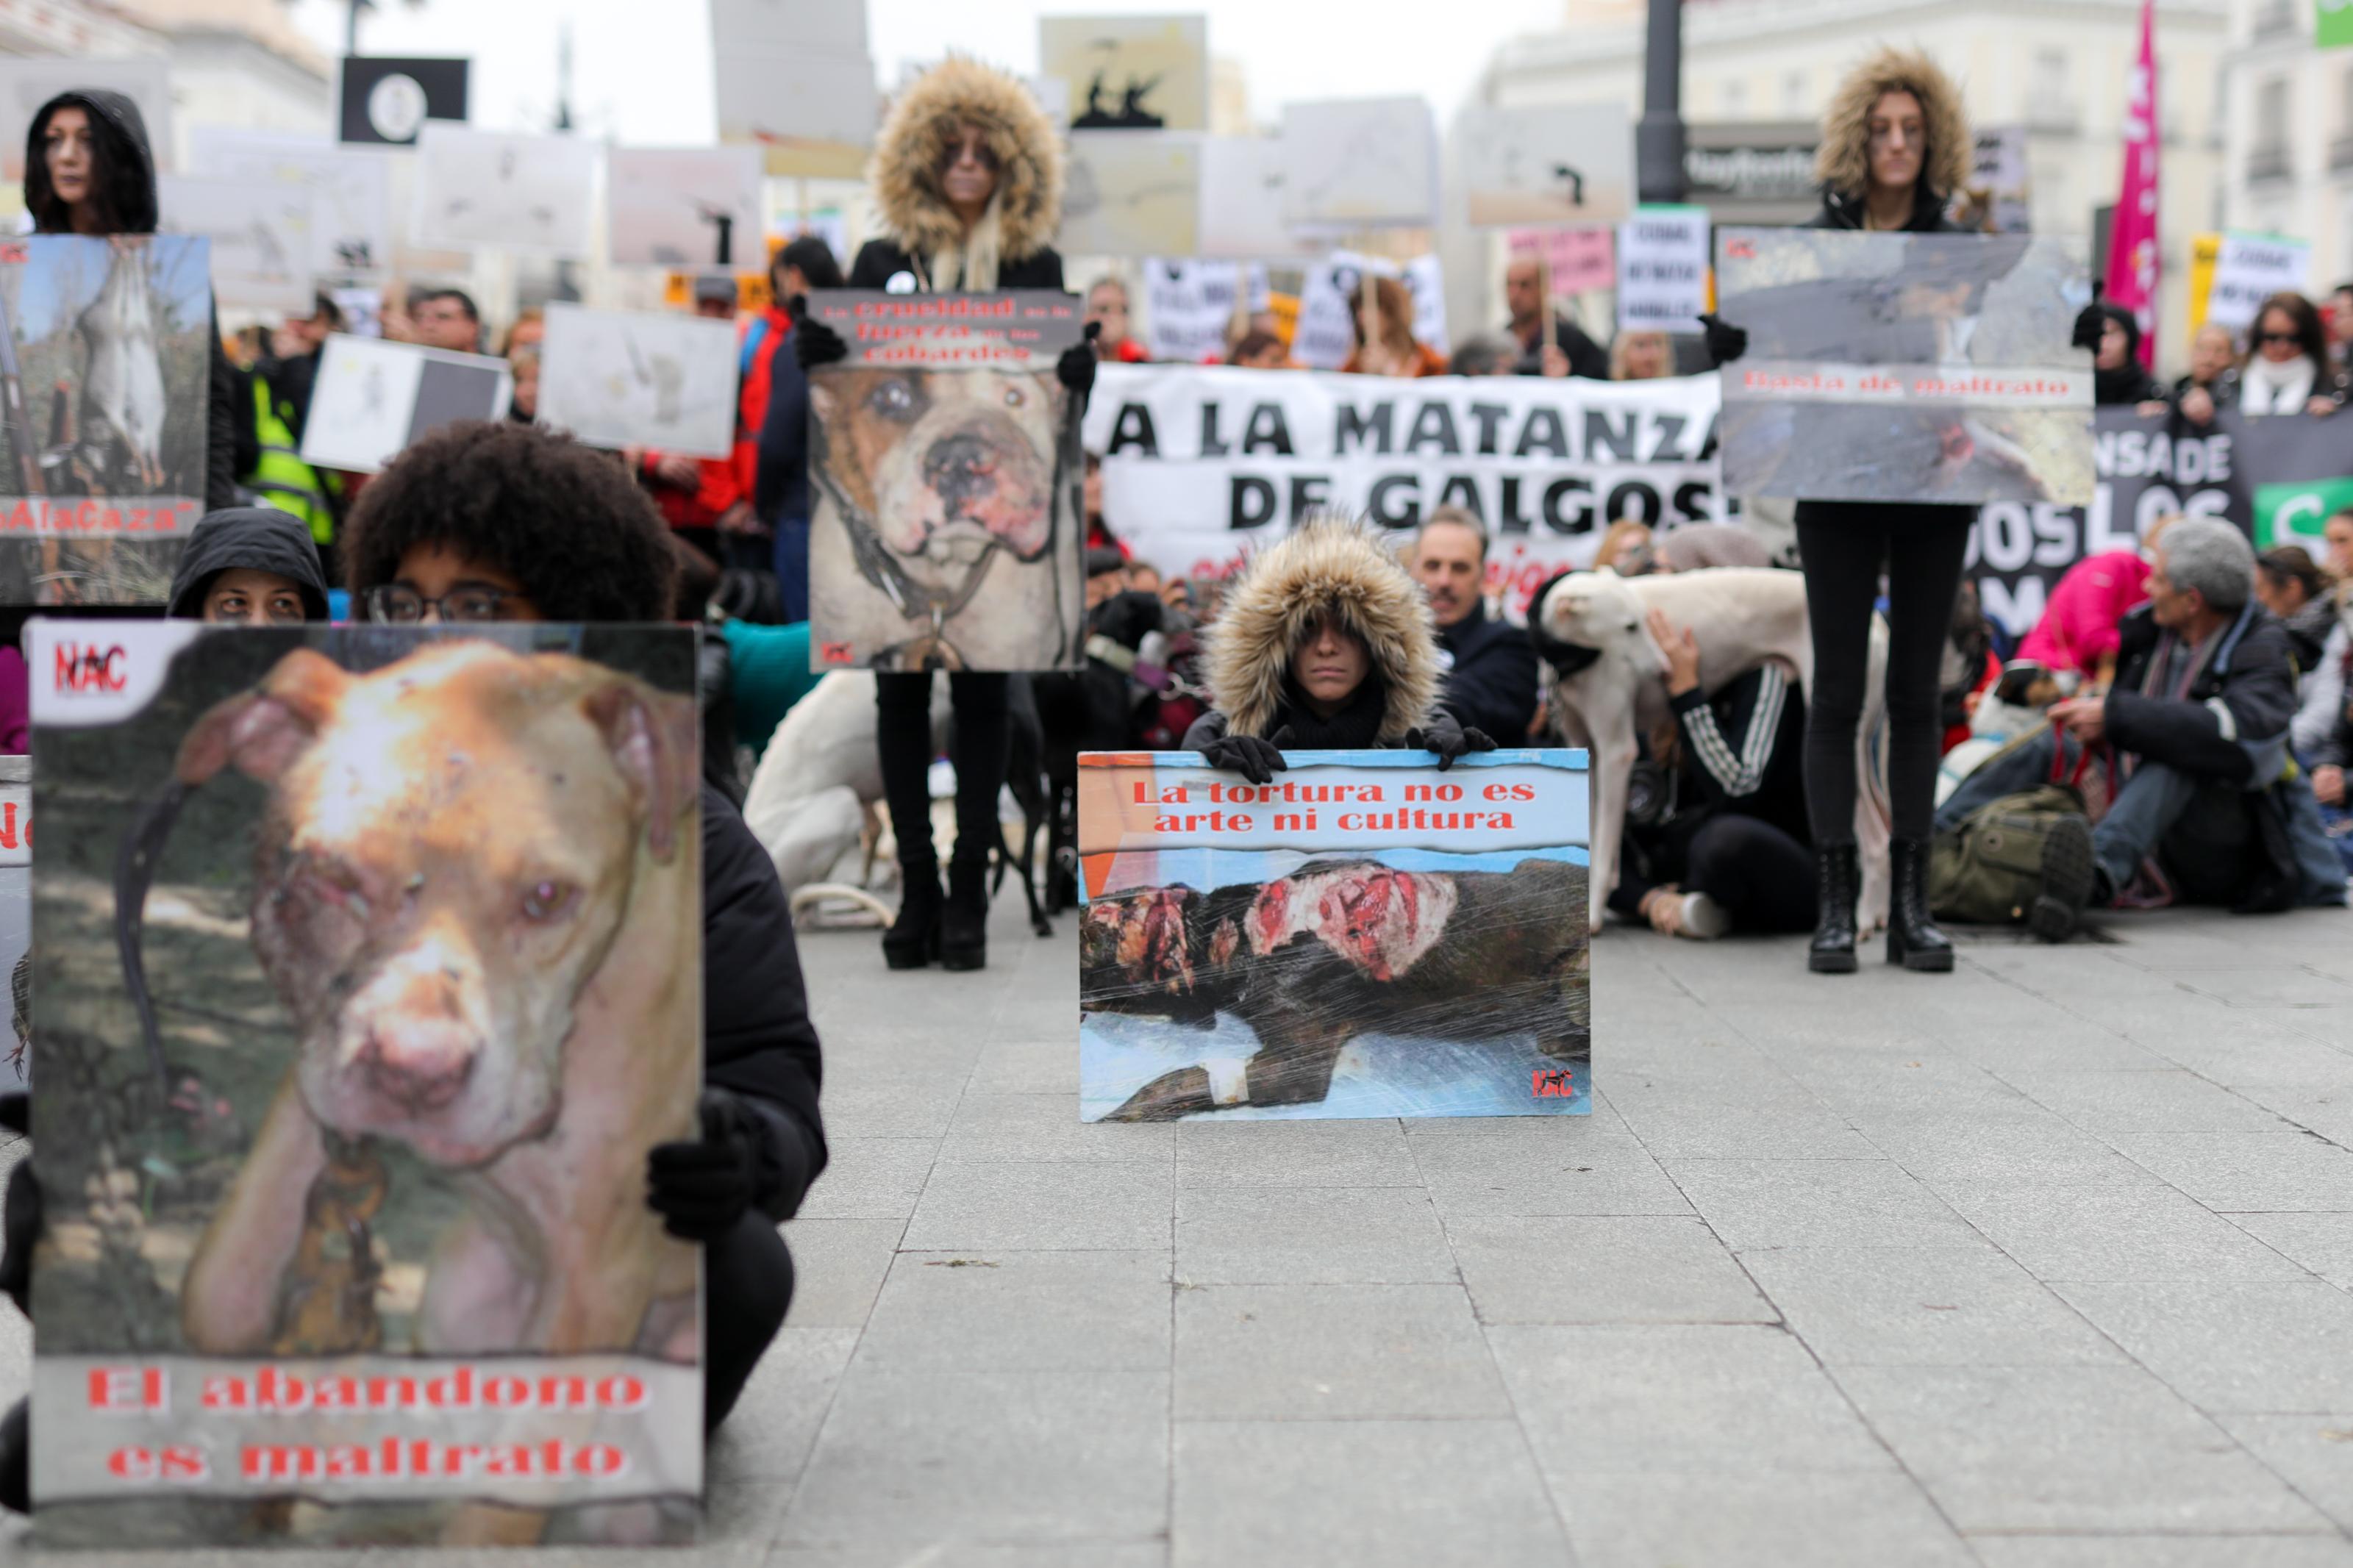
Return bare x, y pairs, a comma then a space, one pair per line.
369, 973
104, 387
625, 378
1366, 936
1914, 367
945, 457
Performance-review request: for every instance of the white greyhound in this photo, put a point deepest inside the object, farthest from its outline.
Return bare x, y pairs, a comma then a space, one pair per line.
1741, 617
806, 804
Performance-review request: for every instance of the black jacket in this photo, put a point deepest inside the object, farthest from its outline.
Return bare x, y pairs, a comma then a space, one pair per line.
758, 1040
2232, 725
260, 538
118, 133
1491, 681
1586, 357
878, 261
1743, 755
780, 487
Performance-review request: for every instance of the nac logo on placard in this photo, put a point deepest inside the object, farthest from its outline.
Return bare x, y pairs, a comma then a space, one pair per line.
836, 652
88, 667
1545, 1082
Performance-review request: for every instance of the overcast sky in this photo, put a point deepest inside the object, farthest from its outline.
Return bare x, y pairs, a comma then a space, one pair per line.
642, 70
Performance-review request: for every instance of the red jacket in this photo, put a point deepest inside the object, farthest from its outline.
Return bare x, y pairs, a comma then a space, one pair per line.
773, 327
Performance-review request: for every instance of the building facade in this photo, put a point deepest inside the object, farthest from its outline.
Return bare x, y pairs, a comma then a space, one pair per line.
2287, 134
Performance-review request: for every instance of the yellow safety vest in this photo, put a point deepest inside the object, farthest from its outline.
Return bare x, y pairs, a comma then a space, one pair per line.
282, 479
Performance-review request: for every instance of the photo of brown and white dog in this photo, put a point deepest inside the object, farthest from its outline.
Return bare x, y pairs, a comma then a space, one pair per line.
945, 527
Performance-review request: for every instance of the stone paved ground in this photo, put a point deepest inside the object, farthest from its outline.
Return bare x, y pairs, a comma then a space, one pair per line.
2043, 1265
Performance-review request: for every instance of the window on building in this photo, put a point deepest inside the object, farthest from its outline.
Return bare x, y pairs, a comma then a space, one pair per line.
2050, 92
1735, 97
2272, 102
1797, 99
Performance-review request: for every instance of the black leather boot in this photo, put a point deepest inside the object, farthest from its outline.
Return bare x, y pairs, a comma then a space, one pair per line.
1913, 938
913, 938
1837, 882
964, 923
16, 1457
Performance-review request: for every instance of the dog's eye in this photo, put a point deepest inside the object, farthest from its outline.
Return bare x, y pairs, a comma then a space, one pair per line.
1015, 398
893, 400
545, 901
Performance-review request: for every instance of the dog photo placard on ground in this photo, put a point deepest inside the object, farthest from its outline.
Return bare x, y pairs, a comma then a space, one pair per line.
945, 455
369, 975
1908, 367
374, 396
625, 378
1365, 936
104, 380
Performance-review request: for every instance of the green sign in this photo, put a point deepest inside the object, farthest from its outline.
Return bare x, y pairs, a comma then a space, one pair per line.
2335, 27
2295, 514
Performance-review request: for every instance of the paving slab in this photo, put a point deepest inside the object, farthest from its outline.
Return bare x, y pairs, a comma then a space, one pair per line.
1926, 1306
1305, 1353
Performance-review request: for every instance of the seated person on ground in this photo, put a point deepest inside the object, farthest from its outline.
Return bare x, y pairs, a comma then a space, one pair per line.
1491, 670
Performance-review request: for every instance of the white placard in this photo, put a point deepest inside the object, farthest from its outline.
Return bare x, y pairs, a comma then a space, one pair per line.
1359, 163
1188, 307
1131, 193
1242, 202
788, 92
2250, 268
667, 206
1325, 333
261, 231
351, 232
489, 190
363, 310
373, 398
1426, 280
1663, 260
1548, 164
26, 83
618, 378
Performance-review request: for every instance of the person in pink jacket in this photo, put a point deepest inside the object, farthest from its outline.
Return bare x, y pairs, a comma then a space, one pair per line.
2078, 628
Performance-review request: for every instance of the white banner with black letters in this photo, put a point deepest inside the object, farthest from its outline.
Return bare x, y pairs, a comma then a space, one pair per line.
1203, 465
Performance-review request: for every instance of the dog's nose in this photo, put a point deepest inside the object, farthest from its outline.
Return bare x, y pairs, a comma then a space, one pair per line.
423, 1066
960, 468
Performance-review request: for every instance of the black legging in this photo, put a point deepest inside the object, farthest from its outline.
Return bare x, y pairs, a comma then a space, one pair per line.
1762, 877
1843, 546
903, 735
747, 1286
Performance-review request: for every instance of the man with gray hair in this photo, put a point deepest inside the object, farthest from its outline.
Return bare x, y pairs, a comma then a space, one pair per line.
2209, 807
1490, 666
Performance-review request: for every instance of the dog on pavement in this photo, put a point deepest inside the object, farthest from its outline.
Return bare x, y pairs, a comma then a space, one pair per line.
1609, 686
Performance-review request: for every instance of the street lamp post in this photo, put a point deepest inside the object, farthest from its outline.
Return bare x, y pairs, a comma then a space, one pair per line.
1659, 137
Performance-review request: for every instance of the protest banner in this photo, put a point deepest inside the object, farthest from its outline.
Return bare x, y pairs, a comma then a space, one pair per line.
944, 463
2333, 27
350, 187
1575, 259
26, 82
105, 377
1187, 308
1359, 163
1906, 367
1129, 73
1129, 192
1546, 163
373, 397
347, 1095
387, 100
1202, 467
684, 207
2249, 268
2299, 474
259, 230
490, 190
623, 378
1663, 254
1366, 936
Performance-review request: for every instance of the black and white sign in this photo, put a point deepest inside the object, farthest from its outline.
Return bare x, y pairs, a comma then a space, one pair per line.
388, 100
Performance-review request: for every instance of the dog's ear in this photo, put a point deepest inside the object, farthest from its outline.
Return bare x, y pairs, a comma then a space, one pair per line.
264, 730
652, 736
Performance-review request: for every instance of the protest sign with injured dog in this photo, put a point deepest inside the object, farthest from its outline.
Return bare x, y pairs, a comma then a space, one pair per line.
1365, 936
370, 973
944, 453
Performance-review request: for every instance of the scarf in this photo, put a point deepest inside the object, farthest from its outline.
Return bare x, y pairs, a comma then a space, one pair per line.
1356, 727
2129, 383
971, 266
2268, 388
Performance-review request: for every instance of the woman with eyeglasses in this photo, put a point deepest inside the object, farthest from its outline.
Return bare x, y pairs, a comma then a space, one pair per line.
2287, 369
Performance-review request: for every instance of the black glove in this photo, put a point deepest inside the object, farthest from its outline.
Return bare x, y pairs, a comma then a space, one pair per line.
1125, 617
1725, 342
701, 1189
815, 343
1255, 759
16, 1112
22, 1228
1445, 735
2090, 322
1076, 368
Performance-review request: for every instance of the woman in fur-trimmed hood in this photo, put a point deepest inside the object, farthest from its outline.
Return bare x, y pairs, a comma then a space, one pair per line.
1324, 643
1870, 183
968, 175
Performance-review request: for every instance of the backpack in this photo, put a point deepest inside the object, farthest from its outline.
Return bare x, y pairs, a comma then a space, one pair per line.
1990, 870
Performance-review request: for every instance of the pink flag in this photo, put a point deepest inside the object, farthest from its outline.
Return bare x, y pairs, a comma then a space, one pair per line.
2133, 263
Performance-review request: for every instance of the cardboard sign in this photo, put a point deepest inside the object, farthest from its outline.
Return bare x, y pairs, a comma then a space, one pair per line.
943, 457
2249, 268
1663, 269
386, 101
1546, 163
261, 236
1243, 215
374, 398
1906, 367
411, 1282
1575, 260
26, 82
684, 207
1129, 73
1130, 192
350, 188
794, 77
487, 190
1367, 163
105, 376
620, 378
1366, 936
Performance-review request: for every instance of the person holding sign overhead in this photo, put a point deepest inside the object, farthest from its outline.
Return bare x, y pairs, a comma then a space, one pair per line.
968, 180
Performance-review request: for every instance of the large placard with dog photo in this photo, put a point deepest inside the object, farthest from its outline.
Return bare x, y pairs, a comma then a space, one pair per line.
1365, 936
945, 457
104, 382
1906, 367
369, 973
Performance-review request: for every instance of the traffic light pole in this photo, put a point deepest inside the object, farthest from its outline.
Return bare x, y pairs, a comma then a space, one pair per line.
1658, 136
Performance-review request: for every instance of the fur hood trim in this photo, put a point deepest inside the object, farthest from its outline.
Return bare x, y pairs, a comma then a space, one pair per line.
1843, 162
905, 173
1331, 564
